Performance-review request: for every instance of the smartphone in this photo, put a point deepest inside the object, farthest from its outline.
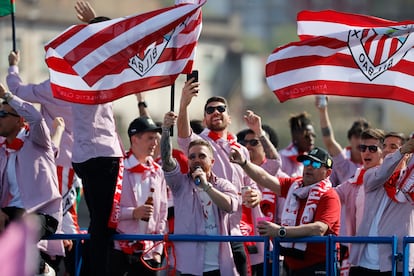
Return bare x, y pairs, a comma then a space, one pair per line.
194, 75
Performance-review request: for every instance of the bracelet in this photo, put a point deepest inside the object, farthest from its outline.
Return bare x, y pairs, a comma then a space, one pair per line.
7, 96
165, 129
143, 104
207, 187
244, 163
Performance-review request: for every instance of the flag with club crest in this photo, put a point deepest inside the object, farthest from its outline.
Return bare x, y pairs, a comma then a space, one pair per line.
346, 55
102, 62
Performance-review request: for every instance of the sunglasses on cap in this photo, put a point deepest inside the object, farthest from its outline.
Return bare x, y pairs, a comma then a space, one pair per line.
219, 108
4, 113
372, 148
253, 142
315, 164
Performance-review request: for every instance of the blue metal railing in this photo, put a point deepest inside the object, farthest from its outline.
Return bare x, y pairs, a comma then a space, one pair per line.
406, 254
330, 241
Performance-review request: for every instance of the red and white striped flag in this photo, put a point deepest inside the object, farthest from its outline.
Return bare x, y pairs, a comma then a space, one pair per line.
346, 55
102, 62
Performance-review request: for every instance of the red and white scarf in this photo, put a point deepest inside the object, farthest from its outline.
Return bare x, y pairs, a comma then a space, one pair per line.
291, 152
400, 186
297, 191
17, 143
130, 247
150, 167
358, 178
231, 139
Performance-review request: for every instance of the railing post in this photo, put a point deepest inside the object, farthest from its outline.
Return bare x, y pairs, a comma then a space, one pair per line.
276, 257
394, 255
406, 255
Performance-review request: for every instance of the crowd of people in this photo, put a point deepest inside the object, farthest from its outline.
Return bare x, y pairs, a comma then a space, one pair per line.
216, 183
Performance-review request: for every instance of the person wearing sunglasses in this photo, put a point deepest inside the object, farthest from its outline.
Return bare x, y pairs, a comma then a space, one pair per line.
28, 170
347, 159
263, 153
351, 192
217, 121
387, 204
203, 203
51, 108
312, 208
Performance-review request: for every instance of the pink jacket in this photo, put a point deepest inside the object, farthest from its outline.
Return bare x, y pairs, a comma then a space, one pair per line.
35, 166
397, 218
50, 108
129, 201
189, 220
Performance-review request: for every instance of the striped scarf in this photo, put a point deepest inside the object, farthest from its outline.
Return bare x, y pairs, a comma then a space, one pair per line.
313, 194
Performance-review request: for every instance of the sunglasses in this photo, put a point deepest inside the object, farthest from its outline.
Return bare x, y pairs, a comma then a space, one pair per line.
4, 113
219, 108
253, 142
372, 148
315, 164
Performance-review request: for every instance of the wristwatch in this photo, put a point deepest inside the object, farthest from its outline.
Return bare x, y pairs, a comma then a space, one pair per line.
7, 96
144, 104
282, 232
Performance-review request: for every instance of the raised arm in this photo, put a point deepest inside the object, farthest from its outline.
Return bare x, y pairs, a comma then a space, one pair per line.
332, 146
142, 105
189, 91
84, 11
168, 162
58, 129
254, 122
257, 173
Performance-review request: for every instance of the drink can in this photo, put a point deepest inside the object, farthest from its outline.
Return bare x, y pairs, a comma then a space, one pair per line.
244, 189
322, 101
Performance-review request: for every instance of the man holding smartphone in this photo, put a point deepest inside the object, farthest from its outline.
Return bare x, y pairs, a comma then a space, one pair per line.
217, 119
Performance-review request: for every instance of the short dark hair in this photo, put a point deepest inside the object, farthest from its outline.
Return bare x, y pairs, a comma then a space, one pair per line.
242, 134
99, 19
395, 134
357, 127
373, 133
215, 99
272, 135
196, 126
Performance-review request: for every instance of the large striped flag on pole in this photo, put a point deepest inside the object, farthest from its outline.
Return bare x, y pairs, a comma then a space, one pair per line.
346, 55
102, 62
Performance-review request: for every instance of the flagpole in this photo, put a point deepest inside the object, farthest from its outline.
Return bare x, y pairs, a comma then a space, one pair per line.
172, 105
13, 26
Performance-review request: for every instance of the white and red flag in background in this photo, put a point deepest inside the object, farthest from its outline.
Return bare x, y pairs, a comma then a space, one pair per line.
102, 62
346, 55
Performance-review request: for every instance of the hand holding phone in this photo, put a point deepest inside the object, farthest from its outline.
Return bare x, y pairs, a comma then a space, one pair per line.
194, 75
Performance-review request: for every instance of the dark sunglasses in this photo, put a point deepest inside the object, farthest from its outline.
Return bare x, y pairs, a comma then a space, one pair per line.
219, 108
253, 142
4, 113
372, 148
315, 164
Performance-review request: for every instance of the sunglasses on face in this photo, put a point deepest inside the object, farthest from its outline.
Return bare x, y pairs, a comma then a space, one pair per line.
253, 142
4, 113
315, 164
219, 108
372, 148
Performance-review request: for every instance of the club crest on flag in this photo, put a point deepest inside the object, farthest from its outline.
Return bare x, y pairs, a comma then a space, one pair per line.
376, 50
142, 62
